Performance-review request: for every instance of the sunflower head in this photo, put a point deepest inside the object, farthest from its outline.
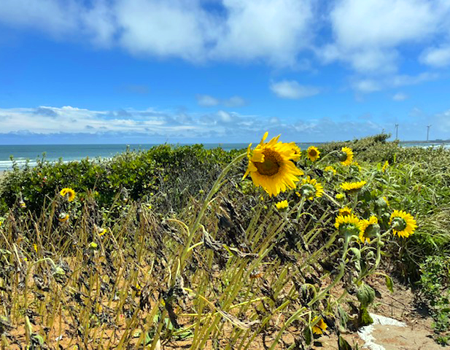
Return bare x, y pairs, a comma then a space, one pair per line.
348, 225
403, 224
319, 327
345, 156
330, 169
369, 229
345, 211
310, 188
68, 193
270, 166
282, 205
313, 153
352, 187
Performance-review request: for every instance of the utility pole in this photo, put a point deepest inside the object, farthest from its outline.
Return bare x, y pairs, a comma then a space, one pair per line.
428, 131
396, 131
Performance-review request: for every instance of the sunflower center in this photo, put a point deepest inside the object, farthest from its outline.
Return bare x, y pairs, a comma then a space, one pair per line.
271, 164
312, 152
342, 156
398, 224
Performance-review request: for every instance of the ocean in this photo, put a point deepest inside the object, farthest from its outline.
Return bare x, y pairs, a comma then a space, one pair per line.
22, 153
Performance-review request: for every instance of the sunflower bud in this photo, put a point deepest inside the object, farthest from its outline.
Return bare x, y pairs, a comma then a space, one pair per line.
342, 156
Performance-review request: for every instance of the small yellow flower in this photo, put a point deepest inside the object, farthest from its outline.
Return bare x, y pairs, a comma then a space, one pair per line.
331, 169
345, 211
403, 224
310, 188
346, 156
369, 229
385, 166
68, 193
35, 247
22, 204
319, 327
63, 217
352, 186
313, 153
282, 205
340, 196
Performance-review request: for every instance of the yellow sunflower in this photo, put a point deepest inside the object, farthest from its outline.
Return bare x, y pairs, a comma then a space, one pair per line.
345, 156
310, 188
319, 327
345, 211
352, 186
296, 150
370, 229
385, 166
282, 205
348, 224
331, 169
270, 166
63, 217
402, 223
313, 153
69, 193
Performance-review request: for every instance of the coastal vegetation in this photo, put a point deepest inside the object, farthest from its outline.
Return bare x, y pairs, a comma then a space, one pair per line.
183, 247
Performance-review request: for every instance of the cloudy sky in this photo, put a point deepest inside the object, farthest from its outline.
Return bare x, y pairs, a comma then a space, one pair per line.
150, 71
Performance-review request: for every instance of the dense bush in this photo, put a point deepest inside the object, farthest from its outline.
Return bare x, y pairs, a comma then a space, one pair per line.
172, 174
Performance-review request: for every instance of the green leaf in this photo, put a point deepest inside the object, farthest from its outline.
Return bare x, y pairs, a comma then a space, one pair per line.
389, 284
307, 334
364, 317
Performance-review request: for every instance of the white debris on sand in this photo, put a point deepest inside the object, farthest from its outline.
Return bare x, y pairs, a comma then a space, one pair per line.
365, 333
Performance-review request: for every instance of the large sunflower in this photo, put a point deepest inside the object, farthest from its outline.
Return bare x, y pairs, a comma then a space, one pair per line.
313, 153
345, 156
402, 223
270, 166
69, 193
310, 188
369, 229
352, 187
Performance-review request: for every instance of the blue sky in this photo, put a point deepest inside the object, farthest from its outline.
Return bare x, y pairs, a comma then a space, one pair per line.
150, 71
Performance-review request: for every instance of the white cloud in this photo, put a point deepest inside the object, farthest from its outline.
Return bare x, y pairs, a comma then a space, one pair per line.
399, 96
291, 89
368, 34
436, 57
210, 101
271, 30
207, 101
367, 85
